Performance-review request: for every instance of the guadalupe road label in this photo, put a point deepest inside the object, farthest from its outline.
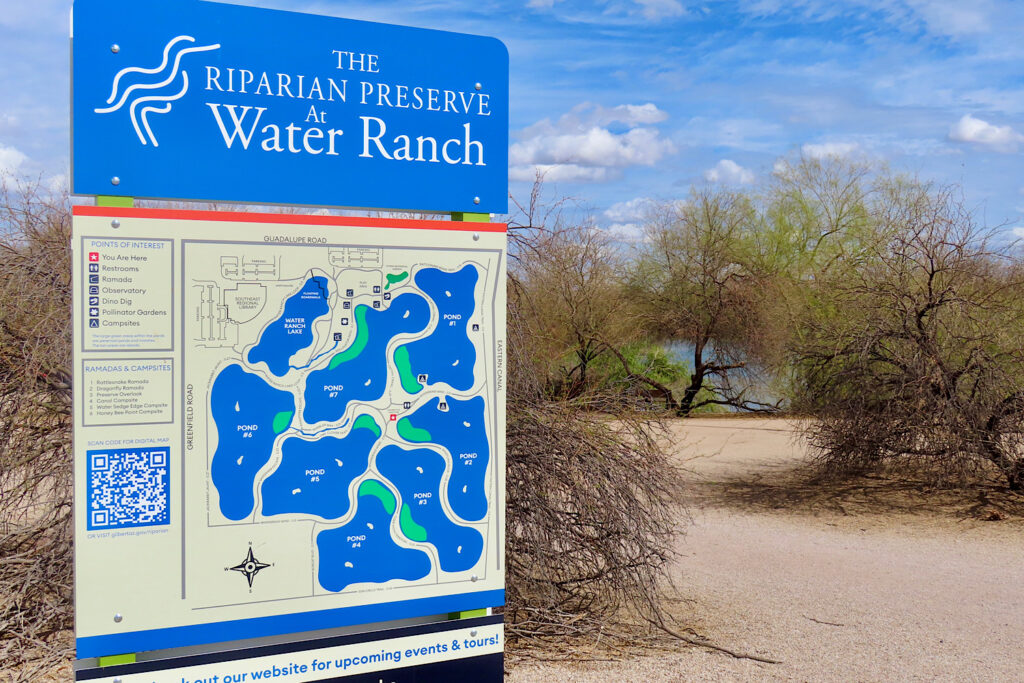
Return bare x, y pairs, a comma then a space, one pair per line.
200, 100
324, 439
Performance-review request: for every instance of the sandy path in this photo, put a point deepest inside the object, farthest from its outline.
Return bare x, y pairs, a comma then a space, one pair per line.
885, 593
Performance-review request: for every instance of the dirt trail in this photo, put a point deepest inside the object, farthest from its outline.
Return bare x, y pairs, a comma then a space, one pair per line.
854, 581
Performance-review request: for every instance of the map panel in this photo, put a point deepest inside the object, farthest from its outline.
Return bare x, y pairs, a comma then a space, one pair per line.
338, 440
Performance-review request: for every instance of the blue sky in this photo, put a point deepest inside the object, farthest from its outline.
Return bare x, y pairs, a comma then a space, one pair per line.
622, 100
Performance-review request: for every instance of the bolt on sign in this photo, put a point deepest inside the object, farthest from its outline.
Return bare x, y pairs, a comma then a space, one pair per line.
288, 429
200, 100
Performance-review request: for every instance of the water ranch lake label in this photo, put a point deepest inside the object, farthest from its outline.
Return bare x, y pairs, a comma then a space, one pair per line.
199, 100
323, 401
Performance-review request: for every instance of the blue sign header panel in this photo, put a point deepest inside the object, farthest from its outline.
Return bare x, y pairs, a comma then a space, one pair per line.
199, 100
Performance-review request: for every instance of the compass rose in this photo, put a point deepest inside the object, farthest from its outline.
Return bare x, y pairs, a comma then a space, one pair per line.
250, 567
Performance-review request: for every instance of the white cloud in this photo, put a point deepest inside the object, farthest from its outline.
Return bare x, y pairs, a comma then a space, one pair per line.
10, 160
660, 9
1018, 232
745, 134
826, 150
588, 114
651, 10
57, 183
590, 143
9, 122
593, 147
728, 172
626, 232
630, 211
954, 17
568, 173
976, 131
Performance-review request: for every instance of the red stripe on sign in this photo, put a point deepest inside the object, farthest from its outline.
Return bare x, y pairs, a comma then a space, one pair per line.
284, 219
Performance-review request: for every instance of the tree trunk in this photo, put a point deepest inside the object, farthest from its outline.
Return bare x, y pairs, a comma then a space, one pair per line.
696, 382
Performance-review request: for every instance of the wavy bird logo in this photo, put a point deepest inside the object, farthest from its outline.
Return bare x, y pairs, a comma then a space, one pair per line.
136, 79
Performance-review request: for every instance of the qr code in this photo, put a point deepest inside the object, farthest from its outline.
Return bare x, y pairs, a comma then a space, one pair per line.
128, 488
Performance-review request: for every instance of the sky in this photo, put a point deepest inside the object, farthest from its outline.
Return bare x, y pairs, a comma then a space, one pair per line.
620, 102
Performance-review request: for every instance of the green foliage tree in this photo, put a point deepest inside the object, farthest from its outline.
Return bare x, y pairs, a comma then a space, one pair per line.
697, 281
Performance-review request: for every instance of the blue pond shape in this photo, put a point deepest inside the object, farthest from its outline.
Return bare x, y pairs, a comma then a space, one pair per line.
293, 331
447, 355
417, 476
462, 431
363, 551
245, 409
363, 376
314, 476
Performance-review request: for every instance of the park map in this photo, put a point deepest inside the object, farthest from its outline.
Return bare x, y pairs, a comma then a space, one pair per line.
351, 392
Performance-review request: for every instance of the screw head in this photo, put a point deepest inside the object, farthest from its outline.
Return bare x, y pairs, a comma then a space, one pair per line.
473, 633
117, 679
115, 48
118, 618
474, 578
115, 181
115, 223
478, 86
476, 200
476, 236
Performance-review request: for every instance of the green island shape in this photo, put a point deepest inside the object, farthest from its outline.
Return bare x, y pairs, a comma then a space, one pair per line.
409, 381
372, 487
282, 420
411, 530
366, 422
410, 433
362, 336
395, 279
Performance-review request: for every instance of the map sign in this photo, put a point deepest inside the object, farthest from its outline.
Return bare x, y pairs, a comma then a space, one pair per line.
181, 99
288, 423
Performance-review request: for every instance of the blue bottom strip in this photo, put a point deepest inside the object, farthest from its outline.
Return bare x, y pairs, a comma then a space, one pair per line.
259, 627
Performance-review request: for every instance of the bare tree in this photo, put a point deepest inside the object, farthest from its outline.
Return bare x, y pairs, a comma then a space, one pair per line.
569, 287
911, 351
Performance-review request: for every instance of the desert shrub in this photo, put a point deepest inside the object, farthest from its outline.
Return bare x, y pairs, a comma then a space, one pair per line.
591, 509
35, 428
591, 495
910, 351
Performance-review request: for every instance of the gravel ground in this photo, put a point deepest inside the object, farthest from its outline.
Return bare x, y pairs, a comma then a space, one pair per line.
854, 582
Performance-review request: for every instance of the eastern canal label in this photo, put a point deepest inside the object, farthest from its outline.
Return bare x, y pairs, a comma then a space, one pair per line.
329, 423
